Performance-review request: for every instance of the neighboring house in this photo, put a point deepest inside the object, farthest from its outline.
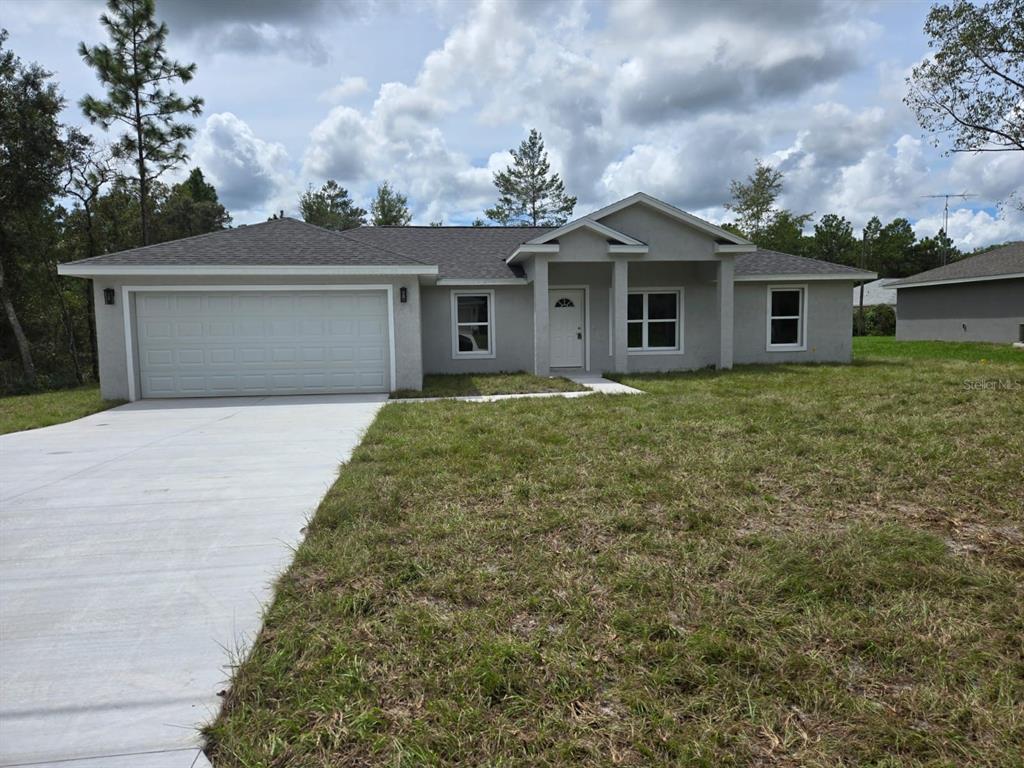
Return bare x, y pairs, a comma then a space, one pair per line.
284, 307
980, 298
876, 292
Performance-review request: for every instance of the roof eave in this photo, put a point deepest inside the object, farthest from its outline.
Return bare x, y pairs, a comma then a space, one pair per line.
215, 270
854, 277
957, 280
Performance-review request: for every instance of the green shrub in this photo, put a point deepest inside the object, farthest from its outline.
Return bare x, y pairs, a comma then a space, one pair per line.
879, 320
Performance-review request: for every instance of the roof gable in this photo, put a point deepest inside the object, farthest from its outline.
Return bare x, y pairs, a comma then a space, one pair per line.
642, 198
586, 223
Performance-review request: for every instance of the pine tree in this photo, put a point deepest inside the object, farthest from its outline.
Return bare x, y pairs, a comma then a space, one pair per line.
330, 207
389, 208
136, 73
527, 191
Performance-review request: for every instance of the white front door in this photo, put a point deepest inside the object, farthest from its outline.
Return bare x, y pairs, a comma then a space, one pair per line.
566, 321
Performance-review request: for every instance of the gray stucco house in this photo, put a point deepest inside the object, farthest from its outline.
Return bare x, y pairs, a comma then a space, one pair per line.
284, 307
980, 298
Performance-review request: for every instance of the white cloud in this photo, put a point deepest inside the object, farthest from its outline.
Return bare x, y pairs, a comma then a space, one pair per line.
673, 98
249, 173
346, 88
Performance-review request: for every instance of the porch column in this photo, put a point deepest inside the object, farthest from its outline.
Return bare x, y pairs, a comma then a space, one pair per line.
725, 312
620, 287
541, 334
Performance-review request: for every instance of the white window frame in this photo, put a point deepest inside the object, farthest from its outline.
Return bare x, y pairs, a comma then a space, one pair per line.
491, 326
645, 350
801, 345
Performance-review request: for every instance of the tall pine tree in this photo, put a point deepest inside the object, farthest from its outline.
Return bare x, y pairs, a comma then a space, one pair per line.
136, 73
528, 193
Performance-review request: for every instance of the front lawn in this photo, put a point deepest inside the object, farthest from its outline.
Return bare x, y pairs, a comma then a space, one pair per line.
461, 385
970, 351
19, 412
787, 566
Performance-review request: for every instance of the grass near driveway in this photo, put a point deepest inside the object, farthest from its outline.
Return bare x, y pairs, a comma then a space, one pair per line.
459, 385
789, 566
20, 412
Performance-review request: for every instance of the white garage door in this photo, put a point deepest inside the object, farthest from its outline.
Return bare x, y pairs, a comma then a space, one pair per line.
205, 344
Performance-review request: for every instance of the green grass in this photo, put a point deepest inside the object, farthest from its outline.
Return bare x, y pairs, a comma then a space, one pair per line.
20, 412
783, 566
889, 347
460, 385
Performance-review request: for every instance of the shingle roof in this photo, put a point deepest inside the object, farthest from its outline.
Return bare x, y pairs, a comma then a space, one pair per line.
470, 253
474, 253
764, 262
1007, 260
276, 242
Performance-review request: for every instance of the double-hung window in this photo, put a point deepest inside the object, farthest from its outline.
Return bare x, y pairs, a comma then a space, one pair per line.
654, 320
473, 323
787, 317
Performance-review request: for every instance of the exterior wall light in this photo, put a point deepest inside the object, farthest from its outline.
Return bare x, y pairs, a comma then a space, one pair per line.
108, 295
403, 294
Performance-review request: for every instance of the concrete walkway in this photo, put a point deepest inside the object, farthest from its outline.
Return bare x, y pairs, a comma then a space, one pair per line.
598, 383
136, 548
592, 382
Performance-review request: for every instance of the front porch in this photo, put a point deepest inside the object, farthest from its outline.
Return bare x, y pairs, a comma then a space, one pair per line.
625, 315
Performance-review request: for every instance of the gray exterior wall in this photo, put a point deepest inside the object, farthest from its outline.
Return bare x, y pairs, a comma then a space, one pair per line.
829, 324
110, 335
990, 310
700, 314
513, 330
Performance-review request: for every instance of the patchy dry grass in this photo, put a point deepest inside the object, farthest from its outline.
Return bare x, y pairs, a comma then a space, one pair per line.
790, 566
20, 412
466, 384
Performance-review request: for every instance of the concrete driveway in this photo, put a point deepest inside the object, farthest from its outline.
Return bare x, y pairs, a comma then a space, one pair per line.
137, 546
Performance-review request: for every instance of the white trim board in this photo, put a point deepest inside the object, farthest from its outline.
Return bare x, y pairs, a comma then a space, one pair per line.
860, 278
482, 282
955, 281
129, 335
586, 222
586, 319
205, 270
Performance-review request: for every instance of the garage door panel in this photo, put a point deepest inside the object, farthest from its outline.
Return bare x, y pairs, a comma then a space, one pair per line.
251, 342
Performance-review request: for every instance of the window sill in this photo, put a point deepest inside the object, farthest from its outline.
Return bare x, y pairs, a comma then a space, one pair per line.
664, 351
786, 348
473, 356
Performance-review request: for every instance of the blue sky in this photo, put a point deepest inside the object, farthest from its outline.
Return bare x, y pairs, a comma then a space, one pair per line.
671, 98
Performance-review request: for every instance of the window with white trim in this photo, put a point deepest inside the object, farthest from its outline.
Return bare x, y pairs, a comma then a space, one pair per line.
787, 315
653, 320
473, 324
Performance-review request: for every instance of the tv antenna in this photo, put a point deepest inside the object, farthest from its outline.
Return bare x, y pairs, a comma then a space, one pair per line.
945, 213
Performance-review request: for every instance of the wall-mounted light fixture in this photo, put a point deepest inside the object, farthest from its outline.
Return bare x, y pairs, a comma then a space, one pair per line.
403, 294
108, 295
